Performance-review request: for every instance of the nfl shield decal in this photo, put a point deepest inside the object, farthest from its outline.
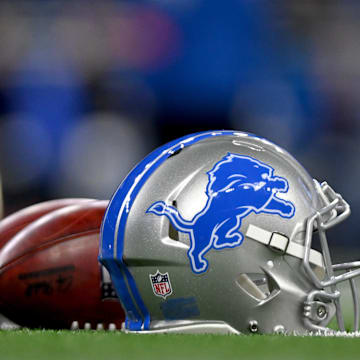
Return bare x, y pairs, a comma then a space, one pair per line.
161, 284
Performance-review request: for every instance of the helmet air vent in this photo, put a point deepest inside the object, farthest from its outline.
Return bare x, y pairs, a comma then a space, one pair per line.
173, 233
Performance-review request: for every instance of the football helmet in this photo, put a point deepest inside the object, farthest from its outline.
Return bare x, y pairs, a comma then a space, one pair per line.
215, 233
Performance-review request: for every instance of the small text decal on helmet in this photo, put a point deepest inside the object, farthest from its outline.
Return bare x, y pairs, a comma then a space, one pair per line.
161, 284
238, 185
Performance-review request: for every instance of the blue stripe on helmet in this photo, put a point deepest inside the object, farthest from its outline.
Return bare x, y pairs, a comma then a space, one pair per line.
114, 223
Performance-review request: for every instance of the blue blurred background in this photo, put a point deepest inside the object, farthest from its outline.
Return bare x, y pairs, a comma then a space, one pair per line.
88, 88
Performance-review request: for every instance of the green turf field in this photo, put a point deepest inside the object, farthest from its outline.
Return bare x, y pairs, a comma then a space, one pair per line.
91, 345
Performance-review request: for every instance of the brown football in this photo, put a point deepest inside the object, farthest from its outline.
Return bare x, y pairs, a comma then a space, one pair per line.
50, 276
15, 222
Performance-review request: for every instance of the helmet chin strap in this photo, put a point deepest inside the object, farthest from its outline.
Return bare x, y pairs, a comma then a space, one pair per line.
281, 243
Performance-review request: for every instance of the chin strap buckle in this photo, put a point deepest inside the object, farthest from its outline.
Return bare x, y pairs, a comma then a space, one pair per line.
279, 242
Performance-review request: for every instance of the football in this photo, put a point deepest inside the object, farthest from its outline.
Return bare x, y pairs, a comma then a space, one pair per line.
15, 222
50, 276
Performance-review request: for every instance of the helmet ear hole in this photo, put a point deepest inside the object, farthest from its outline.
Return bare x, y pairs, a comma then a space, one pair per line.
255, 285
260, 286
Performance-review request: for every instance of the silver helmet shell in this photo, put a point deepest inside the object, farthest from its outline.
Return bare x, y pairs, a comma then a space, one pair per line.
213, 233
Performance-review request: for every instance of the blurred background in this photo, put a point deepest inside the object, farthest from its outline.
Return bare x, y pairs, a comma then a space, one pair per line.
88, 88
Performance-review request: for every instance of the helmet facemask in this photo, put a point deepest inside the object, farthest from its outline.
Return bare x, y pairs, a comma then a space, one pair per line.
336, 210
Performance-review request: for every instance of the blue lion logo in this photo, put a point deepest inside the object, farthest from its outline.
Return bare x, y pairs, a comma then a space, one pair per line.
238, 185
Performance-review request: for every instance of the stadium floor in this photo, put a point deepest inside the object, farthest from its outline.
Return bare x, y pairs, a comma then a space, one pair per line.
92, 345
